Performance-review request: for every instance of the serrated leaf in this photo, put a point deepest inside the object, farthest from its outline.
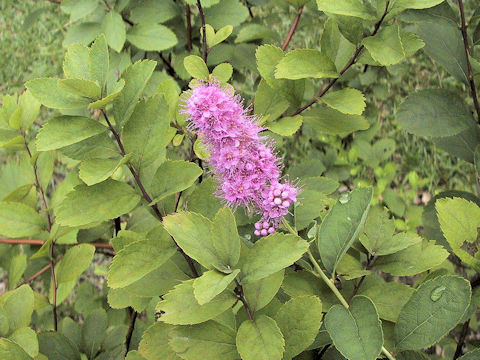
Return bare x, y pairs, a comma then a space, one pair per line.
67, 130
285, 126
386, 46
80, 87
432, 311
271, 254
353, 8
341, 226
226, 12
347, 101
356, 332
19, 220
154, 343
100, 202
225, 239
94, 171
305, 63
98, 61
151, 37
210, 284
114, 29
260, 339
48, 92
75, 261
259, 293
180, 307
325, 120
102, 103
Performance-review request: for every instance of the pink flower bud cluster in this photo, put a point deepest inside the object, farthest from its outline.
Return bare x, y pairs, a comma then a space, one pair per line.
243, 162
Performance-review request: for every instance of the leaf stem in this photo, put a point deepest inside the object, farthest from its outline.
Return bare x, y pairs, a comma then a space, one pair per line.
204, 33
292, 28
471, 78
241, 297
131, 327
351, 62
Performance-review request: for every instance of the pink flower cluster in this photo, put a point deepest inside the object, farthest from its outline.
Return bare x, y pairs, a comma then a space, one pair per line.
244, 163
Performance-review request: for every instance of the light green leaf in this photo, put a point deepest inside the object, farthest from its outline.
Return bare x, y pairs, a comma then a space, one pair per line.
151, 37
305, 63
139, 259
102, 103
259, 293
174, 176
18, 265
347, 101
76, 62
98, 61
434, 112
209, 340
472, 355
252, 32
100, 202
299, 320
154, 343
260, 339
196, 67
136, 77
80, 87
114, 29
94, 171
325, 120
222, 72
267, 102
459, 220
18, 306
30, 108
210, 284
48, 92
271, 254
78, 9
180, 307
413, 260
353, 8
341, 226
11, 351
415, 4
225, 239
386, 46
27, 339
83, 33
226, 12
285, 126
432, 311
153, 11
67, 130
356, 332
19, 220
4, 327
75, 261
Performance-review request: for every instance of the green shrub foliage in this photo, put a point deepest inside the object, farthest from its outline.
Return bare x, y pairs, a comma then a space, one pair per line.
115, 245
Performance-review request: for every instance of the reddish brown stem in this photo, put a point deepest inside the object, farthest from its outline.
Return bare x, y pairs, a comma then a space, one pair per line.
471, 77
241, 297
39, 272
292, 29
204, 35
351, 62
189, 27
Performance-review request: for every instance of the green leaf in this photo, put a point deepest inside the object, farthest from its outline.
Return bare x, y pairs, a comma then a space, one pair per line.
260, 339
259, 293
154, 343
80, 87
459, 220
102, 103
209, 340
356, 332
253, 32
4, 327
226, 12
210, 284
83, 33
48, 92
267, 102
78, 10
386, 46
413, 260
151, 37
353, 8
18, 265
93, 332
11, 351
30, 109
180, 307
222, 72
325, 120
191, 231
98, 61
225, 239
138, 259
27, 339
152, 11
472, 355
196, 67
347, 101
416, 4
56, 346
136, 77
377, 235
75, 261
19, 220
433, 310
461, 145
305, 63
18, 306
434, 112
114, 29
271, 254
134, 355
299, 320
389, 298
76, 62
66, 130
94, 171
341, 226
100, 202
285, 126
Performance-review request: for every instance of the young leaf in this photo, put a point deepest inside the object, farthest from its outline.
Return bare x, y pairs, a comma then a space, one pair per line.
299, 320
94, 171
341, 226
356, 332
210, 284
180, 307
102, 103
305, 63
432, 311
19, 220
260, 339
75, 261
80, 87
225, 239
271, 254
354, 8
48, 92
100, 202
152, 37
259, 293
114, 29
286, 126
222, 72
98, 61
196, 67
76, 62
386, 46
347, 101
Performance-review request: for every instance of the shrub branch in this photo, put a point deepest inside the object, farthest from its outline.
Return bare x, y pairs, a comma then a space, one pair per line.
292, 28
204, 33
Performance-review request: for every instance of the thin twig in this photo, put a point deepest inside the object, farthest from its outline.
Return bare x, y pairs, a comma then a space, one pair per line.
241, 297
351, 62
38, 273
204, 33
131, 327
189, 27
145, 195
368, 266
170, 69
471, 78
292, 28
461, 340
